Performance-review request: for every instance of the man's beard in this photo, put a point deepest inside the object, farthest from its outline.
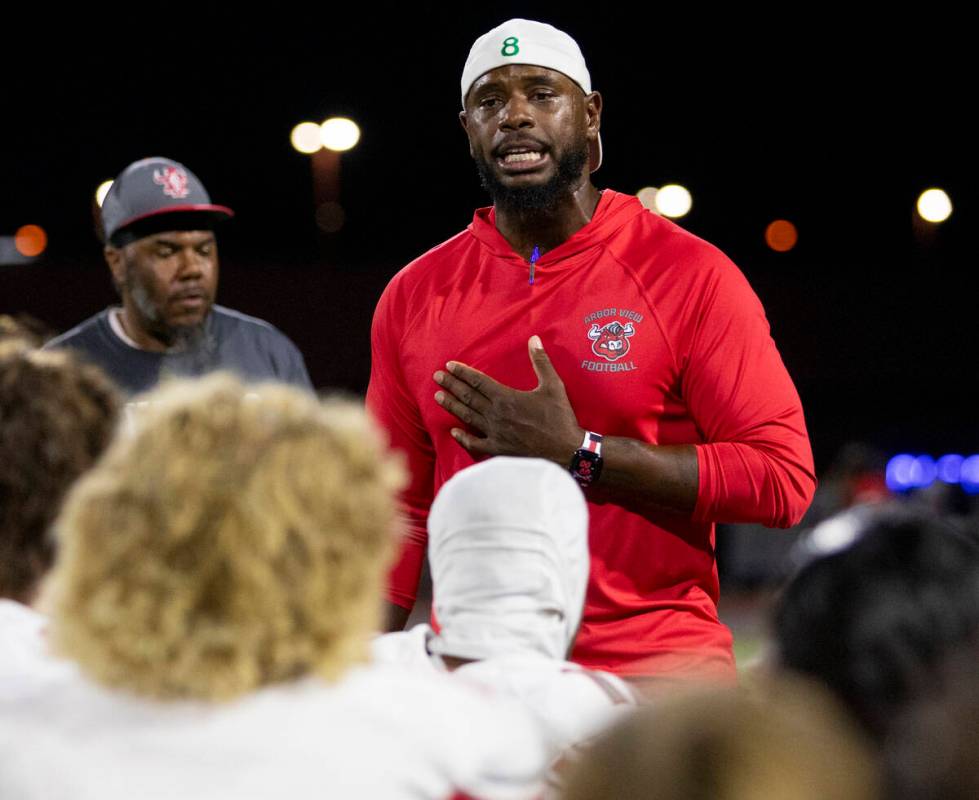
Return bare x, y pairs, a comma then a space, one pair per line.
176, 337
541, 197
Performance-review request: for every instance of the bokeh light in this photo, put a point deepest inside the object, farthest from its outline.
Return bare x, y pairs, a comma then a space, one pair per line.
969, 475
339, 134
898, 472
647, 196
905, 472
934, 205
305, 138
30, 240
673, 201
950, 468
781, 235
924, 471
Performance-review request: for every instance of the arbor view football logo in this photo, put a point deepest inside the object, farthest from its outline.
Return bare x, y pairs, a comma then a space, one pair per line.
611, 341
173, 181
609, 332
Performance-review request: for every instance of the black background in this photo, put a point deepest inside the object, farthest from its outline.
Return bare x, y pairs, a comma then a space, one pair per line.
832, 121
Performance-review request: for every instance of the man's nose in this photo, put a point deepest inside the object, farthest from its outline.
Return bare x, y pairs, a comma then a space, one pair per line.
192, 264
517, 113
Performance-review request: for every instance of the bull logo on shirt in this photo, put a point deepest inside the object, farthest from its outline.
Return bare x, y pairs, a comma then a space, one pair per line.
173, 180
611, 341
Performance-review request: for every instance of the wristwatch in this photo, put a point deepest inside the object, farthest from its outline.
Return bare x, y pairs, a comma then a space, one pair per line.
586, 463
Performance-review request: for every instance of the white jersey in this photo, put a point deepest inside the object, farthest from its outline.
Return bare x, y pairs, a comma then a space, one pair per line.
571, 704
381, 732
24, 656
408, 648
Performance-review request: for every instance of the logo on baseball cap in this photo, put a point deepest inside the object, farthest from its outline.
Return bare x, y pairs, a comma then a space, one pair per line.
150, 188
524, 41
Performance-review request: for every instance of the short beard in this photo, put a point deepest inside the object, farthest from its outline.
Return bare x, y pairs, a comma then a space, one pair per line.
178, 338
537, 198
186, 337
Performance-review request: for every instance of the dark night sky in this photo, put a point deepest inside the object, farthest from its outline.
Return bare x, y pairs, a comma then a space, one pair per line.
829, 121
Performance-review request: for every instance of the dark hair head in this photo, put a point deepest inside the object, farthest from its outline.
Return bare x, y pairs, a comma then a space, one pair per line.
56, 418
874, 620
932, 753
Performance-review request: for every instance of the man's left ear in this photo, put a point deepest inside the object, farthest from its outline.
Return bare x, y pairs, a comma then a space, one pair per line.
593, 111
116, 260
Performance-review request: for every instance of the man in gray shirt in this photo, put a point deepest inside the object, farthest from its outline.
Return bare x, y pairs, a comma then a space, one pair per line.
158, 221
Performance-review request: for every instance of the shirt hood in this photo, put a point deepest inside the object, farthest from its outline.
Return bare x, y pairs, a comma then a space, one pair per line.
614, 210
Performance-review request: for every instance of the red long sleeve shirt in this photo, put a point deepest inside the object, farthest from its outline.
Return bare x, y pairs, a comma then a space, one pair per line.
658, 337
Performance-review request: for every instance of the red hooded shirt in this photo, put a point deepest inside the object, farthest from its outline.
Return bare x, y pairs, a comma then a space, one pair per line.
658, 337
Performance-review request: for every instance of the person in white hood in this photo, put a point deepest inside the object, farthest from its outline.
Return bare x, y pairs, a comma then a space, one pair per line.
508, 548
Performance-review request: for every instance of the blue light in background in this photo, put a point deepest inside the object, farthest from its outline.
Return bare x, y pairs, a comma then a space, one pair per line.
905, 472
898, 472
923, 472
950, 468
969, 475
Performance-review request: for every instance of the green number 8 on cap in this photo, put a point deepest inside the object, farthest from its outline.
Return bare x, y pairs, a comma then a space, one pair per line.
510, 47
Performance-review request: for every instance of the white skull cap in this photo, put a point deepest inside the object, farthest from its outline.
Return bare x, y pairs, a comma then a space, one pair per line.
508, 547
524, 41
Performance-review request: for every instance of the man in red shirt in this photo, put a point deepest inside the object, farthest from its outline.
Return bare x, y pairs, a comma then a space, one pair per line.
660, 387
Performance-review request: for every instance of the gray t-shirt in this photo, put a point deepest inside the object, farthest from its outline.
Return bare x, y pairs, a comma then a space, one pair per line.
251, 348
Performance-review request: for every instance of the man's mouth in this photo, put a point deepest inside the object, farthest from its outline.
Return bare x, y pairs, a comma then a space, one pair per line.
525, 157
520, 157
192, 299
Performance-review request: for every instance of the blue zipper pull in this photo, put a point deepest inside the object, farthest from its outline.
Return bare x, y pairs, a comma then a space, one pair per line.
533, 262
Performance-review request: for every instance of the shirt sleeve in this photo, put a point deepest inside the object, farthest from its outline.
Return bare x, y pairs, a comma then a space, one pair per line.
756, 463
295, 367
394, 407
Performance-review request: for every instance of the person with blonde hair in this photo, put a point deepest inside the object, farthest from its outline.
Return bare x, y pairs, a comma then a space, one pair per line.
219, 576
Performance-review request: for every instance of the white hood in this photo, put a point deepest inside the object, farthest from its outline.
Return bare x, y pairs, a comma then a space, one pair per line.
508, 546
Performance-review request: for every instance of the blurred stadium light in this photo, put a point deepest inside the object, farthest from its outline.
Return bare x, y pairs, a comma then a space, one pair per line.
934, 205
781, 235
647, 196
31, 240
673, 201
339, 134
305, 138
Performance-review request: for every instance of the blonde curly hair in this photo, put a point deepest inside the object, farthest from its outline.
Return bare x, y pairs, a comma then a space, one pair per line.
237, 539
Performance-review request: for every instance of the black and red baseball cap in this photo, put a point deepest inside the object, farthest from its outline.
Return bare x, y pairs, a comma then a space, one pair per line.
157, 194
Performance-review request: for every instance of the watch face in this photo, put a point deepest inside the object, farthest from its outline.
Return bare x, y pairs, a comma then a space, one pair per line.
586, 466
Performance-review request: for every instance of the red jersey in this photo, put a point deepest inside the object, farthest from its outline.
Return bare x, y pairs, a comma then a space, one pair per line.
658, 337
